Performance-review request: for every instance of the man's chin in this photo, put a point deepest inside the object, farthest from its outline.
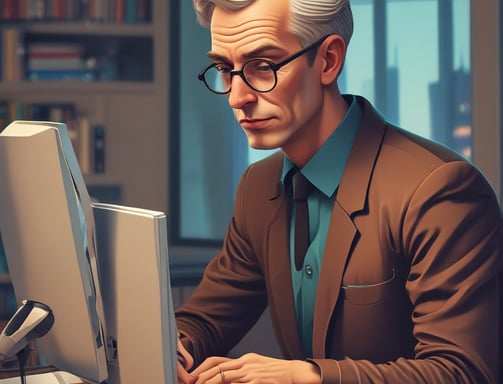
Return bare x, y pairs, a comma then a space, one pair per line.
263, 140
262, 146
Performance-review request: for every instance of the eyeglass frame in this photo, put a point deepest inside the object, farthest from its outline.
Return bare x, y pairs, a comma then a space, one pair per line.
274, 67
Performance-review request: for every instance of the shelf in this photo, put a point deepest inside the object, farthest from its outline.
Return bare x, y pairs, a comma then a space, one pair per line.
126, 93
69, 86
82, 28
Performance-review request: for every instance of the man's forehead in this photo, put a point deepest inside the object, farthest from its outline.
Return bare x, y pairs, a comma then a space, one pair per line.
264, 22
247, 33
267, 12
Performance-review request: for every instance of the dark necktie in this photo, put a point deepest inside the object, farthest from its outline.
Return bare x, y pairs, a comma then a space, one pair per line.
301, 189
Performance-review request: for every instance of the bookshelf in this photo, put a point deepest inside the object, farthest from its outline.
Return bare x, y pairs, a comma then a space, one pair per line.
128, 102
108, 60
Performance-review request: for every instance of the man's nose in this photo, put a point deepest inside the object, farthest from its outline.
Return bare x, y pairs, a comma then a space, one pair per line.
240, 93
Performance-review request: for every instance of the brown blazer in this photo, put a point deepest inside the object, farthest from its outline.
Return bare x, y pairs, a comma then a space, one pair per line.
408, 285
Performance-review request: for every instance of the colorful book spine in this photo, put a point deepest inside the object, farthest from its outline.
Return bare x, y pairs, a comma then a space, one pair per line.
59, 75
112, 11
99, 148
12, 55
4, 117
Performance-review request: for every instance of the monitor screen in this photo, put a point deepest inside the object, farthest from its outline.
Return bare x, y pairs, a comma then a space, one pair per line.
47, 224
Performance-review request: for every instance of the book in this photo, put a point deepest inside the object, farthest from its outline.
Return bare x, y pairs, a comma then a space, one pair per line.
130, 11
4, 117
9, 9
118, 11
12, 55
84, 144
54, 48
10, 111
53, 55
33, 10
55, 63
99, 148
58, 75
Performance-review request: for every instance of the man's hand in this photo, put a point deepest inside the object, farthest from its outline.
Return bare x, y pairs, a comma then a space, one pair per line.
253, 368
185, 362
183, 376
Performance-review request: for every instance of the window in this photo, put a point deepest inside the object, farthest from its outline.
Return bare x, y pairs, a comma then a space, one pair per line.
411, 58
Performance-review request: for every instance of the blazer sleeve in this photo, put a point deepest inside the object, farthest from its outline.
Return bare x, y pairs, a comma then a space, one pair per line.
451, 233
230, 297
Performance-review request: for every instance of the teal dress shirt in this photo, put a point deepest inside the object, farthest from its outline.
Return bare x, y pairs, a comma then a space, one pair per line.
324, 170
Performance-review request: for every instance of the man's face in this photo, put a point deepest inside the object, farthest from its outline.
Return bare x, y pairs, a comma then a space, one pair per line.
287, 116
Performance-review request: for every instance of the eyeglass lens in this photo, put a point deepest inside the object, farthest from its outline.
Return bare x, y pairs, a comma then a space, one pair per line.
257, 73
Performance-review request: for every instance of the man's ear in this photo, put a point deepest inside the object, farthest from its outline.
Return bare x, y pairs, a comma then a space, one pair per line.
333, 53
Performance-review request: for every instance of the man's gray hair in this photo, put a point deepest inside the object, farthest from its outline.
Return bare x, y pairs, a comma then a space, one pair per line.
310, 20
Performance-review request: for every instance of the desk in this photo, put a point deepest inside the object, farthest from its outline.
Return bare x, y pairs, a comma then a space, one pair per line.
46, 375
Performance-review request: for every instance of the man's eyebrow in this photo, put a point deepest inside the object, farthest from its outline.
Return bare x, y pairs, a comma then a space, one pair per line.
216, 57
258, 52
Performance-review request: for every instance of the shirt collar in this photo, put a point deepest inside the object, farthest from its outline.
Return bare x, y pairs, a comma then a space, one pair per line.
324, 170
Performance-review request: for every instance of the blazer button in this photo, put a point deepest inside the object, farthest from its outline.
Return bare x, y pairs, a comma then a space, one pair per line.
309, 271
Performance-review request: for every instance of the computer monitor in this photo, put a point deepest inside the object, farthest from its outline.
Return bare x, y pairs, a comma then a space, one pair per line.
49, 249
47, 224
134, 278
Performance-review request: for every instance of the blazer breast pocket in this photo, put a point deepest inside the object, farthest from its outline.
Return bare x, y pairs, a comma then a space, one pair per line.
365, 294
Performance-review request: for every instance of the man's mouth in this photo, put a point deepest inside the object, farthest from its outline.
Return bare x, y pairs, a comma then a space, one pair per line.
253, 123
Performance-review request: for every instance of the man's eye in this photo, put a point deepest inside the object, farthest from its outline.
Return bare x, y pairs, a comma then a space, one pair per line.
224, 69
259, 66
264, 67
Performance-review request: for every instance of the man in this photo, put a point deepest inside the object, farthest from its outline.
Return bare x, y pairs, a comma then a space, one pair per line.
399, 283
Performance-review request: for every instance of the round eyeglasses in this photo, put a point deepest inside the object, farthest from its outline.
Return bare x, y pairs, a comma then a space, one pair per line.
259, 74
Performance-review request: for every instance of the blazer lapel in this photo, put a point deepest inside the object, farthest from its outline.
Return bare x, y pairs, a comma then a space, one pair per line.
342, 233
279, 278
281, 291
